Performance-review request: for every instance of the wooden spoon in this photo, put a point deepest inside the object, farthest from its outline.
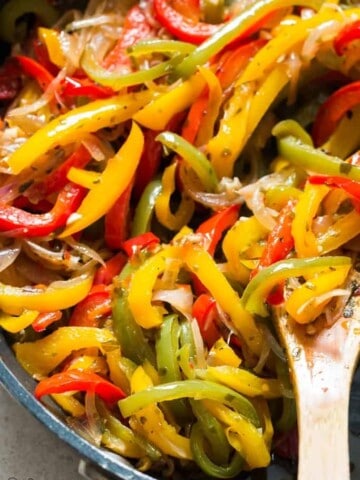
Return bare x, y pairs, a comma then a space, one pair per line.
322, 366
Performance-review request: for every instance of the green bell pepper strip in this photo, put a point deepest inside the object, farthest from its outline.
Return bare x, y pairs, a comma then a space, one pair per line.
11, 14
166, 348
128, 333
287, 419
197, 440
117, 81
193, 157
235, 29
197, 389
146, 47
292, 128
260, 286
145, 208
312, 159
213, 432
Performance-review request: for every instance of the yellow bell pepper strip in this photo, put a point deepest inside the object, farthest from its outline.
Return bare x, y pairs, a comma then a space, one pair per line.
306, 243
345, 228
193, 158
222, 354
346, 139
150, 422
172, 221
157, 114
196, 389
235, 131
260, 286
287, 38
303, 303
206, 129
134, 344
262, 407
69, 403
239, 246
118, 173
118, 81
14, 324
43, 356
56, 296
239, 26
245, 382
51, 39
116, 373
70, 126
242, 435
84, 178
141, 286
204, 267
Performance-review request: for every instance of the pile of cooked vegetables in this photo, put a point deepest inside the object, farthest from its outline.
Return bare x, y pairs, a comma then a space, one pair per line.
174, 173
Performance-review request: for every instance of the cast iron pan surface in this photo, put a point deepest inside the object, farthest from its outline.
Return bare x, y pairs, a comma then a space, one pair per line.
20, 385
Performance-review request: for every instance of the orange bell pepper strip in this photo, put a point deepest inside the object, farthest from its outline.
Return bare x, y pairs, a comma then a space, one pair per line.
114, 180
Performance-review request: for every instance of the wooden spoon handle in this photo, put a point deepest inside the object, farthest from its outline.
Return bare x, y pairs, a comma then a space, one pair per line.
323, 433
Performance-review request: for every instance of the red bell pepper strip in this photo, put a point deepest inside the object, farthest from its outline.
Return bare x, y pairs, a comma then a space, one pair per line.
195, 116
76, 87
216, 225
42, 56
352, 187
42, 206
57, 179
233, 60
182, 27
205, 313
117, 220
43, 320
89, 311
78, 380
332, 111
106, 273
136, 28
35, 70
10, 81
347, 34
20, 223
136, 244
279, 244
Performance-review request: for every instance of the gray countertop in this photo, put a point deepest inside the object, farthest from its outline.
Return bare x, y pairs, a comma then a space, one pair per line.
28, 451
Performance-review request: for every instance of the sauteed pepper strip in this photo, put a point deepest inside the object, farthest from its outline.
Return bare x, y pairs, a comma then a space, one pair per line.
113, 181
79, 380
69, 127
20, 223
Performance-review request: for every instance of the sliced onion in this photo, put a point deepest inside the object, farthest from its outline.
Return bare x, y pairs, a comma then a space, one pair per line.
9, 254
85, 250
54, 259
181, 299
273, 343
323, 33
199, 345
99, 149
95, 427
94, 21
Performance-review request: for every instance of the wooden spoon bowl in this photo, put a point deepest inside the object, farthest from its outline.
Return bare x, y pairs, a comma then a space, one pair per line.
322, 367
